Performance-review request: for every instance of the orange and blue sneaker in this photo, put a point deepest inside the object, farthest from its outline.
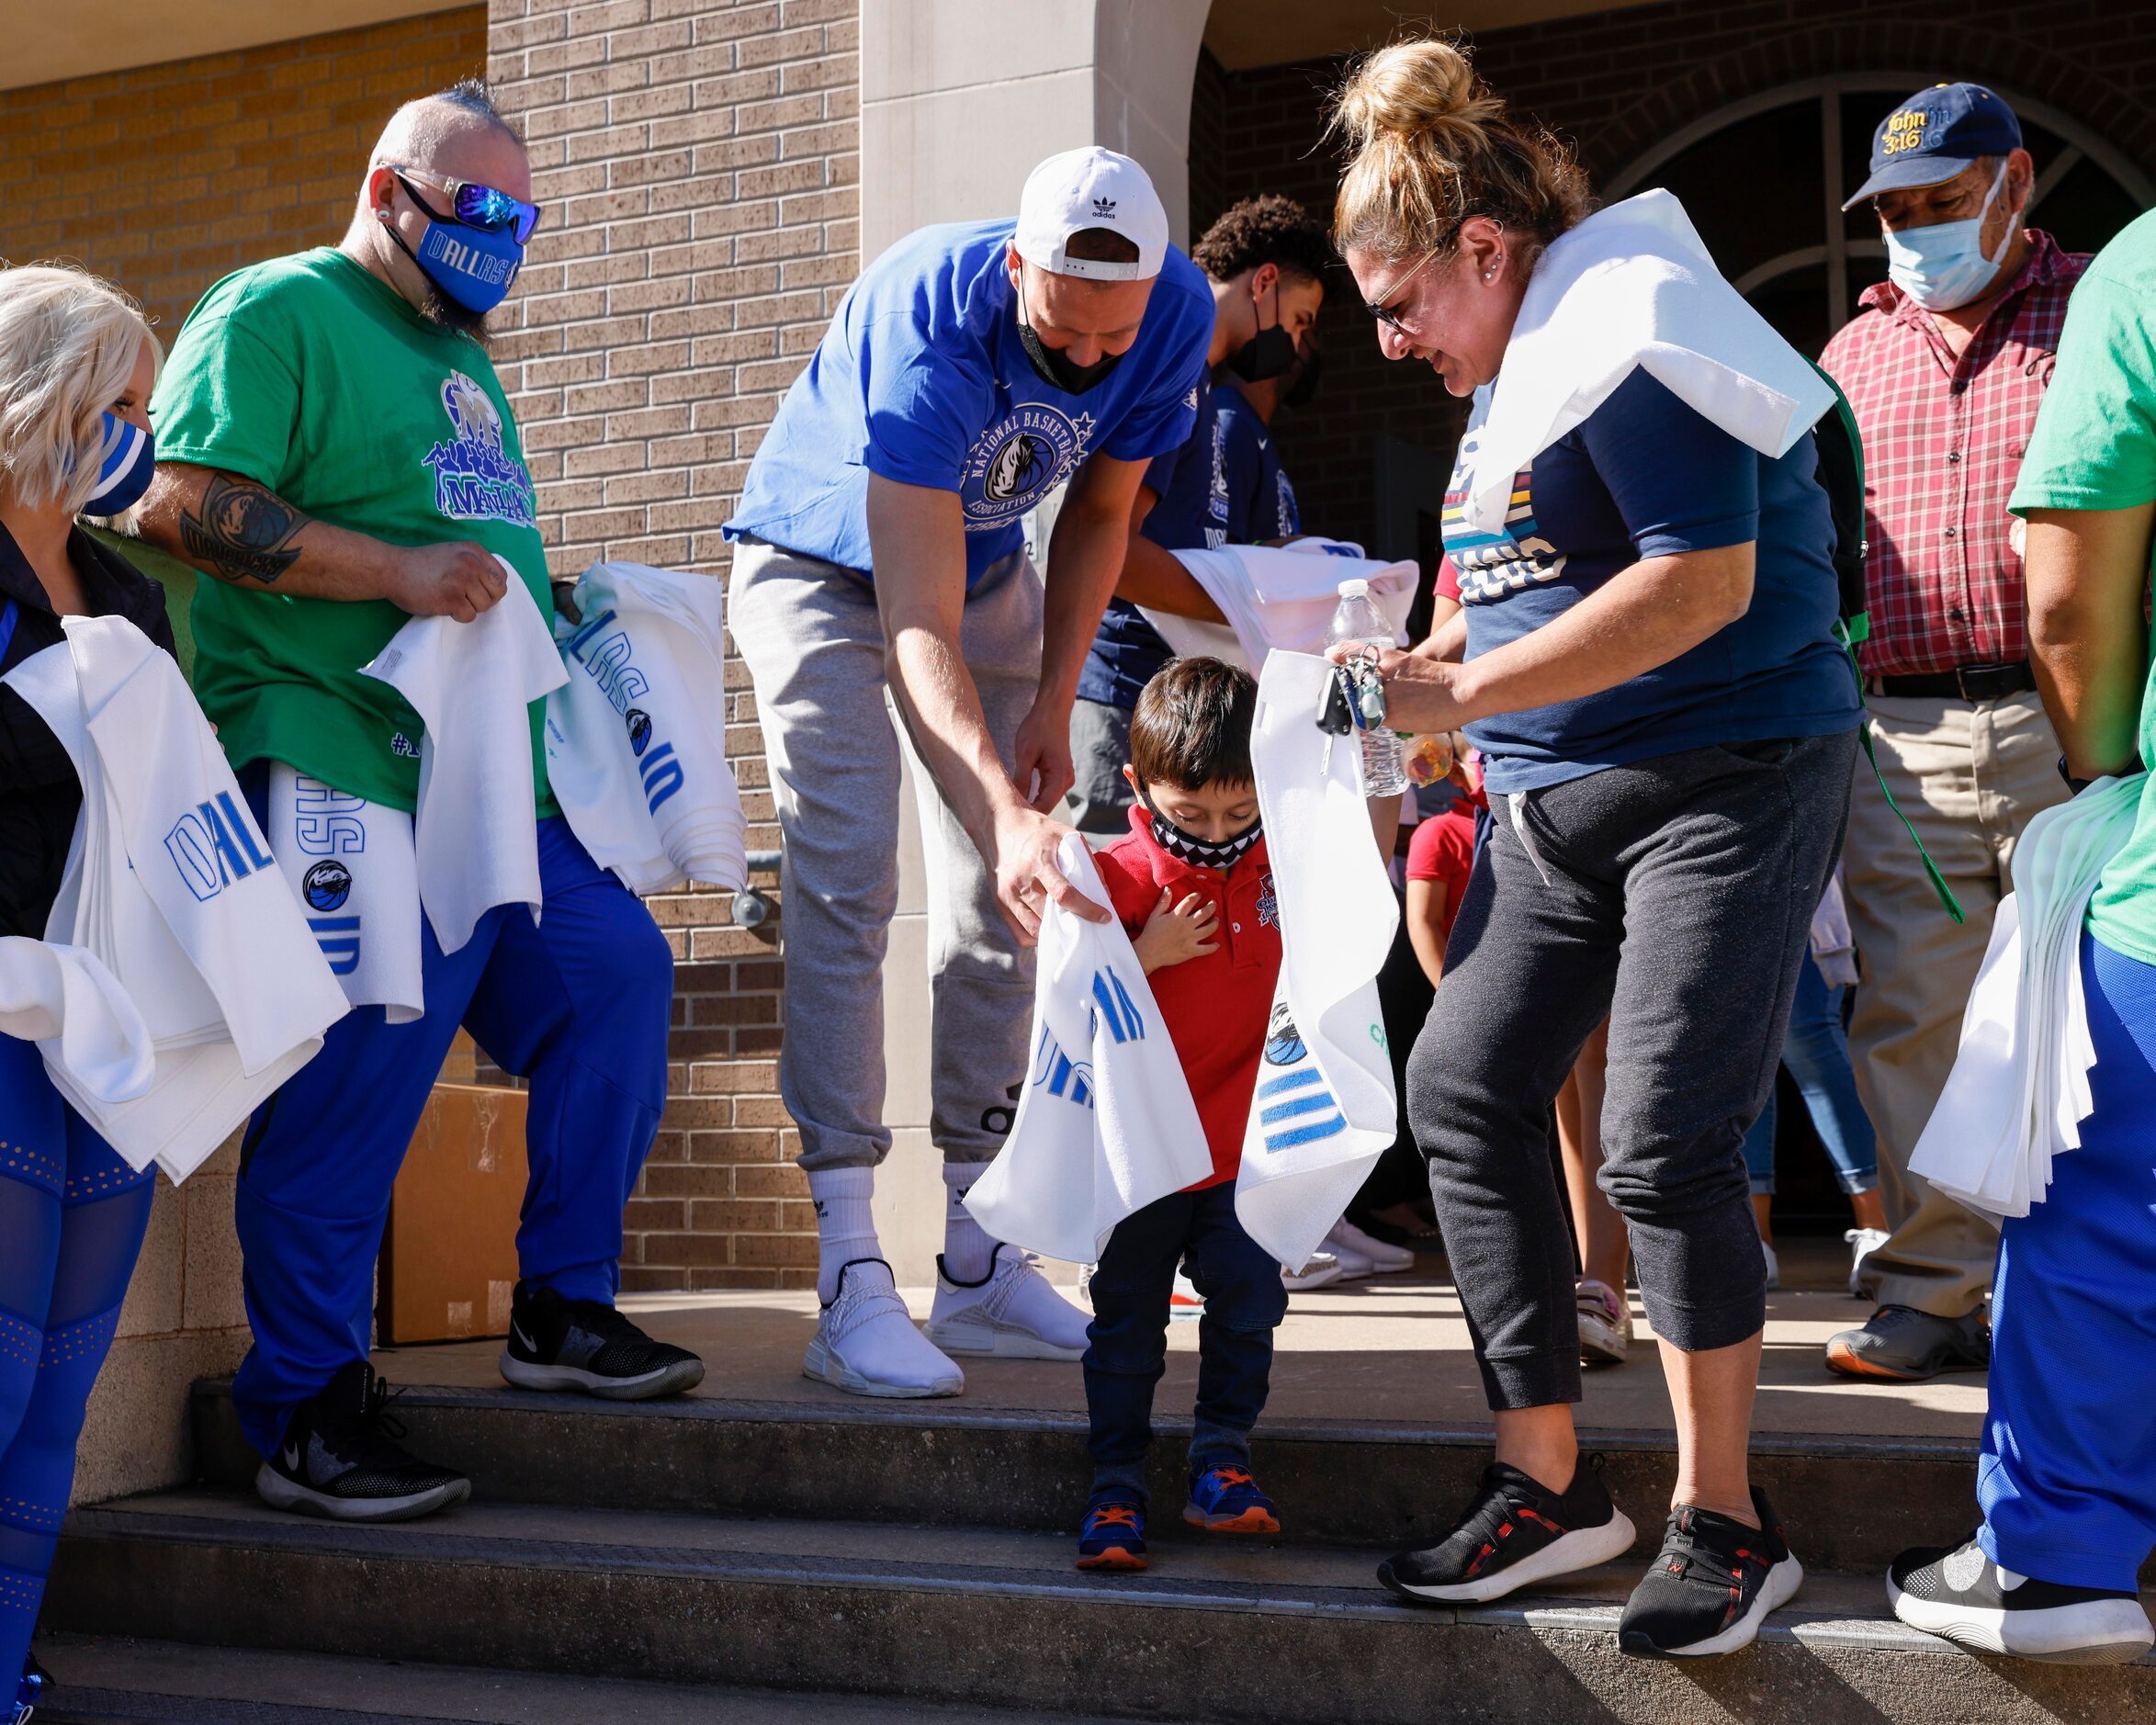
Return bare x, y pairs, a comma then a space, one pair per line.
1226, 1500
1112, 1537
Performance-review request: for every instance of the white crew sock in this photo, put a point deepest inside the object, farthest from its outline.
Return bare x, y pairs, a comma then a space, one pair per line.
846, 1227
968, 1251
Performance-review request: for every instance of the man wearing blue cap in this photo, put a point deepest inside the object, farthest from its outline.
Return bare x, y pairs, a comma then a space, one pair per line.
1945, 366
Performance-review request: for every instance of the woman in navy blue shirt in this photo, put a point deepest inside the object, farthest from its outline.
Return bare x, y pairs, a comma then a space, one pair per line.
1644, 657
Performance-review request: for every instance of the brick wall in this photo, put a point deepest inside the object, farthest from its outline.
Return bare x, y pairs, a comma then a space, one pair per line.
699, 163
1616, 83
164, 178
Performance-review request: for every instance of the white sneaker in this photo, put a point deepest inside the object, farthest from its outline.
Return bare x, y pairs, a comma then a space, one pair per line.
1774, 1266
1354, 1267
1384, 1260
1863, 1243
1606, 1323
1012, 1313
866, 1345
1321, 1269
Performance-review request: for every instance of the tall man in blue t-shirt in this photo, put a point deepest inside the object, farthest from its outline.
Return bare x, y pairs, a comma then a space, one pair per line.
971, 369
1265, 260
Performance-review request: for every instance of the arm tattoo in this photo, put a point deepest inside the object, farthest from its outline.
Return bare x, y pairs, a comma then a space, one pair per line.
241, 531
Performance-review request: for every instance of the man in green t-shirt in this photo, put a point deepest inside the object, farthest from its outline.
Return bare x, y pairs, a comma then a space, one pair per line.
337, 456
2067, 1476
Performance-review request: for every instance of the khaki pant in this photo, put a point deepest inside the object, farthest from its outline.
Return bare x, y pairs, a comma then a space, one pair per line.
1971, 776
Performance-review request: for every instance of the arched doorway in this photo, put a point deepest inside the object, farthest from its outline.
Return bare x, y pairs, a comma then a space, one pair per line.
1764, 178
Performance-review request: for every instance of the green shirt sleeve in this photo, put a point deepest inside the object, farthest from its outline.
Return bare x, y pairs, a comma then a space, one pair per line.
228, 397
2095, 444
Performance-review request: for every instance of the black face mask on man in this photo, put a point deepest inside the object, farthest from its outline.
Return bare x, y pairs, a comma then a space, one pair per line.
1053, 367
1268, 354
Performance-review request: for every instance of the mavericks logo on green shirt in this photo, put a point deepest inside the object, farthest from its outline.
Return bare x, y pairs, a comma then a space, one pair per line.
476, 478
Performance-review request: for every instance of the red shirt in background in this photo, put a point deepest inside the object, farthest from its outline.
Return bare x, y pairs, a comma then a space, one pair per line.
1443, 850
1214, 1006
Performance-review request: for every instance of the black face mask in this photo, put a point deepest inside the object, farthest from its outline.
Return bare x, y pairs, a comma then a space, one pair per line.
1303, 386
1268, 354
1053, 367
1203, 853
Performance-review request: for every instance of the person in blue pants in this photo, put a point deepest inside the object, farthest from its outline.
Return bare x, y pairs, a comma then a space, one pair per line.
71, 1213
337, 456
2067, 1475
1816, 1053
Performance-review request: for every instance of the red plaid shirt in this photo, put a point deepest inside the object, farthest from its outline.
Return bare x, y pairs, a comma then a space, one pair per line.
1943, 441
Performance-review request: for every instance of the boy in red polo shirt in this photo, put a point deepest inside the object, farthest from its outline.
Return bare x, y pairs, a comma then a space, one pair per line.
1192, 888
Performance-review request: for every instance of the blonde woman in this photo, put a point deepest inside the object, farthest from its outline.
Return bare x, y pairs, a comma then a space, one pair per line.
1667, 727
76, 366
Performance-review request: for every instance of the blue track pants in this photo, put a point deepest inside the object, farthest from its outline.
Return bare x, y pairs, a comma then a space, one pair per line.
577, 1003
71, 1216
2067, 1477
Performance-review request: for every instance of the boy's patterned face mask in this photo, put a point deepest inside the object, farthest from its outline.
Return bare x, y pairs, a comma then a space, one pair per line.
1203, 853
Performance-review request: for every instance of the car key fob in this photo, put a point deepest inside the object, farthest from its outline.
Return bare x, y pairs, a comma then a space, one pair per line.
1336, 707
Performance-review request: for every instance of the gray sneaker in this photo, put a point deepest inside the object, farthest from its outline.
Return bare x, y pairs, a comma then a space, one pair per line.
1907, 1346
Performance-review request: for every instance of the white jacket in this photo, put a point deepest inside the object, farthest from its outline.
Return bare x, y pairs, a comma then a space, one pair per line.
1280, 597
1633, 286
2019, 1088
636, 737
1325, 1108
1107, 1124
476, 831
170, 886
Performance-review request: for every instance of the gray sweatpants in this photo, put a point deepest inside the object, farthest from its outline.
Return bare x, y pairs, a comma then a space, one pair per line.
1676, 895
814, 644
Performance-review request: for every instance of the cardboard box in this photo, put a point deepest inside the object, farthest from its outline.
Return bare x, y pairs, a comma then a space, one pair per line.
449, 1261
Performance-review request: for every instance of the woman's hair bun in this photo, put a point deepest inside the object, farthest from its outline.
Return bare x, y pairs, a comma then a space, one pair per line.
1414, 87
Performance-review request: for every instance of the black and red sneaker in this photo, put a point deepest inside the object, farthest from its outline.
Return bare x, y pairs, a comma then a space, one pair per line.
1514, 1533
1712, 1586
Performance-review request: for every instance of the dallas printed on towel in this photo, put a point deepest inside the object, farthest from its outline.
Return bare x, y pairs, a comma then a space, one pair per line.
1106, 1125
636, 739
1325, 1106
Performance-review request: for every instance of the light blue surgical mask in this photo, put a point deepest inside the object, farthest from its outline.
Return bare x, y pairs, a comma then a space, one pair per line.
1944, 266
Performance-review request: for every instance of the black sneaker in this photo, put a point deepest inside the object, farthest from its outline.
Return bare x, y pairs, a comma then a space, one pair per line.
340, 1458
1514, 1533
1960, 1593
1711, 1587
557, 1344
1908, 1346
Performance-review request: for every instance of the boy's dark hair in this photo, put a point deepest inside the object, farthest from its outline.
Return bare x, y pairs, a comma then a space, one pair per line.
1268, 230
1192, 725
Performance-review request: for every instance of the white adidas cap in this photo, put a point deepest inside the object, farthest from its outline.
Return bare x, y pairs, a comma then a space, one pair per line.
1092, 188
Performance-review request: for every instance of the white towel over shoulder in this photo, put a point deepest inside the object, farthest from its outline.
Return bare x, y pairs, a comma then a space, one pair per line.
170, 887
1280, 597
1107, 1124
1325, 1109
2019, 1088
475, 832
1633, 286
636, 739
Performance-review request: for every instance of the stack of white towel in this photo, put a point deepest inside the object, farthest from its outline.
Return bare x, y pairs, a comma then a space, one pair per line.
2019, 1089
1280, 598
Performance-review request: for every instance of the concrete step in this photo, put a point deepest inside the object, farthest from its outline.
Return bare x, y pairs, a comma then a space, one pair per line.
1221, 1630
108, 1681
1848, 1502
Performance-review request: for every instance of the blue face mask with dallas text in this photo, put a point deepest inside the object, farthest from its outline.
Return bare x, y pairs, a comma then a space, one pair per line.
1944, 266
473, 266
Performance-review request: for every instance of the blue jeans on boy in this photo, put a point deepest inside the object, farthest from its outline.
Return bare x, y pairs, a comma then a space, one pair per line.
1816, 1052
2064, 1476
1245, 1301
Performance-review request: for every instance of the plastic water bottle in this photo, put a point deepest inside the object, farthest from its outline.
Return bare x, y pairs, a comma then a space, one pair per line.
1357, 622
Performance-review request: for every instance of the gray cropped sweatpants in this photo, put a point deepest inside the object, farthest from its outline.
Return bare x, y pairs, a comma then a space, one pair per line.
814, 645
